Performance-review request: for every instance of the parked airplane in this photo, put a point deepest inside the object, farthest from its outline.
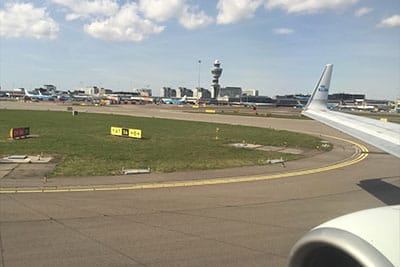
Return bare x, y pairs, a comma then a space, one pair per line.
357, 107
142, 99
365, 238
63, 97
39, 96
174, 101
12, 93
60, 96
81, 97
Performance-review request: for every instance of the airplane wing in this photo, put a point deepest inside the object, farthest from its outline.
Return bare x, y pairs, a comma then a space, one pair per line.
365, 238
383, 135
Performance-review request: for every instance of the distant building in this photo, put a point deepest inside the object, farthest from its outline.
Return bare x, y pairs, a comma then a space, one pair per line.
250, 92
183, 91
230, 92
50, 88
342, 97
144, 92
91, 90
298, 100
46, 89
168, 92
201, 93
104, 91
397, 106
250, 100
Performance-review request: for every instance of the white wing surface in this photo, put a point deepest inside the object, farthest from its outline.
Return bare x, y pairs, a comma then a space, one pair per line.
383, 135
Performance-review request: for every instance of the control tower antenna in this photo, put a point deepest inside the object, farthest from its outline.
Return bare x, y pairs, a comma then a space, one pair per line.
216, 72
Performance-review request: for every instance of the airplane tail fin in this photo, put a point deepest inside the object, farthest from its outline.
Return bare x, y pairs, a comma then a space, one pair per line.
26, 92
319, 98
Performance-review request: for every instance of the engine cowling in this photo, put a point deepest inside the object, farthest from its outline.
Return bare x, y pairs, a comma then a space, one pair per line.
365, 238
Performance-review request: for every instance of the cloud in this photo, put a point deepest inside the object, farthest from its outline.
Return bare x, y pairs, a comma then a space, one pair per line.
161, 10
86, 8
234, 11
126, 25
25, 20
283, 31
390, 22
309, 6
362, 11
192, 20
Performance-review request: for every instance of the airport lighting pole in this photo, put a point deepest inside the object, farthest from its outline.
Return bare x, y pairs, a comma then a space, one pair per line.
198, 80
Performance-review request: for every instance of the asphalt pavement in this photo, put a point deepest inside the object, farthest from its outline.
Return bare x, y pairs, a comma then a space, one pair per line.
247, 223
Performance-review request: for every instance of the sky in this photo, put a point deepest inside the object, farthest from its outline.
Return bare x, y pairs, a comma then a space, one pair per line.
274, 46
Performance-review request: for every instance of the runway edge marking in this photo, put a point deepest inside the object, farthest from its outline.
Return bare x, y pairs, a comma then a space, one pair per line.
359, 158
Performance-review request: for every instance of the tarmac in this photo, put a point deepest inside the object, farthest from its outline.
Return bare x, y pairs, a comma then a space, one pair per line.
234, 217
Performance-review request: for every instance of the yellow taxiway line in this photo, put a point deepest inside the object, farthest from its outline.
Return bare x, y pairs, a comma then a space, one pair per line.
360, 157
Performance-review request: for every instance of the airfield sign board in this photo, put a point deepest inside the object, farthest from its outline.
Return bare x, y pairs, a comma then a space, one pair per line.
126, 132
17, 133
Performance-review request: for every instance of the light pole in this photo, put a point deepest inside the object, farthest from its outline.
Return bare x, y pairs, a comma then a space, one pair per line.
198, 80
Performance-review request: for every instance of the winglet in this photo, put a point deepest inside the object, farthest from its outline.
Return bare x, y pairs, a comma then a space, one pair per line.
319, 98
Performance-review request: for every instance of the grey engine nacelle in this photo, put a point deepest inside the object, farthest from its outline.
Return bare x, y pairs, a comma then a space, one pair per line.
365, 238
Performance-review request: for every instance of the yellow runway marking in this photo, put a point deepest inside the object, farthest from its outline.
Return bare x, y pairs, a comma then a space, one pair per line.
362, 156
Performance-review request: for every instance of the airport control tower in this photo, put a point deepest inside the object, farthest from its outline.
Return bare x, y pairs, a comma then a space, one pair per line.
216, 72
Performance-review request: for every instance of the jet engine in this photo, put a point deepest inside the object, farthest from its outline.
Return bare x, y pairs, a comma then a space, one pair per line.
369, 238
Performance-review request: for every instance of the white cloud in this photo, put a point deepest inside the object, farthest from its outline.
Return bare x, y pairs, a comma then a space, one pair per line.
87, 8
283, 31
309, 6
362, 11
126, 25
234, 11
393, 21
192, 20
161, 10
25, 20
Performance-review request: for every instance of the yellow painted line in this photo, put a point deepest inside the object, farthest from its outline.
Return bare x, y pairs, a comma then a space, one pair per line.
362, 156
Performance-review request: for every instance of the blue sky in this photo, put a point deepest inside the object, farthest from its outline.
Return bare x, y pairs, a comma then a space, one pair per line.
274, 46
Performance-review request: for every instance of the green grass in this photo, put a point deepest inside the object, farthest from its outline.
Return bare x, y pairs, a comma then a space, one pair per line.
85, 147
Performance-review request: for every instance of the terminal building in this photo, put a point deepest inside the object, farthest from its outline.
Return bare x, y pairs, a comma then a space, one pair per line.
297, 100
230, 92
249, 100
183, 91
168, 92
250, 92
202, 93
144, 92
345, 98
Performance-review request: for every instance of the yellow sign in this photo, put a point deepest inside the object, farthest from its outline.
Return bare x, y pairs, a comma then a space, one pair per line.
210, 110
126, 132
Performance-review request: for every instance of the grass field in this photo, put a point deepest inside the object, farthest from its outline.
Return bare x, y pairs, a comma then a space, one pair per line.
85, 147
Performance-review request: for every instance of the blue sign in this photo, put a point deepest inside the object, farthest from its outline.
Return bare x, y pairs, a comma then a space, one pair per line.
323, 88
